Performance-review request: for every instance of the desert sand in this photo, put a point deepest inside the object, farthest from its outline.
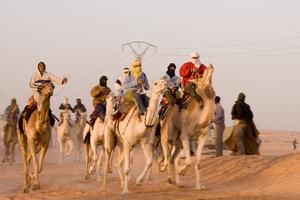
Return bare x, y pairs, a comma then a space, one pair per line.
275, 174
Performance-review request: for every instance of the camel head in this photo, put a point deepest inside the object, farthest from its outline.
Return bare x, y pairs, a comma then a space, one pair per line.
204, 85
159, 86
47, 90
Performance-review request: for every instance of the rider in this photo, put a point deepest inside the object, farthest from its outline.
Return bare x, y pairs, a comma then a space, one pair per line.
134, 88
191, 70
172, 94
120, 82
99, 93
40, 77
64, 106
79, 107
11, 112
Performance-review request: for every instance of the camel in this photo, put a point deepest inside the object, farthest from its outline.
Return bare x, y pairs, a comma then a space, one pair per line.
65, 136
94, 141
36, 137
10, 140
130, 132
79, 126
192, 123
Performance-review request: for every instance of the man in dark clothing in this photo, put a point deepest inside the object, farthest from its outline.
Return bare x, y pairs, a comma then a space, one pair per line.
244, 131
79, 107
242, 116
64, 106
99, 94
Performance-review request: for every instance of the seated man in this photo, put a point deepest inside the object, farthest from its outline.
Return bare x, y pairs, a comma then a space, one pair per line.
40, 77
134, 88
99, 94
172, 94
79, 107
64, 106
191, 70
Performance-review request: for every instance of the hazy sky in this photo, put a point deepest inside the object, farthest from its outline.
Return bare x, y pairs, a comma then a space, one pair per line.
254, 46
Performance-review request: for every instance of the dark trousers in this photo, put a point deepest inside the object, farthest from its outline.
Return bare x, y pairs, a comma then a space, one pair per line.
142, 102
100, 111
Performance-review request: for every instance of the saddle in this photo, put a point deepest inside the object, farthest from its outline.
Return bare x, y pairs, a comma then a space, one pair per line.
27, 112
123, 109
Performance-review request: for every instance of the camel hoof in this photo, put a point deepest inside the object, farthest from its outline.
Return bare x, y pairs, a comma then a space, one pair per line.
150, 178
169, 180
138, 181
36, 187
25, 190
163, 168
125, 191
200, 187
103, 188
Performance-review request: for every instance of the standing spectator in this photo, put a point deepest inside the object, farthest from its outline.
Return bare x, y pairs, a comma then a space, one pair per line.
218, 120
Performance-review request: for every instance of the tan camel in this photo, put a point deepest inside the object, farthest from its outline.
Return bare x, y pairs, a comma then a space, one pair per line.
79, 126
65, 137
36, 139
192, 123
10, 140
130, 132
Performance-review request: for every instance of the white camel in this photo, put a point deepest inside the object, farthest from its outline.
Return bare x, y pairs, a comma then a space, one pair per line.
130, 132
65, 136
36, 136
191, 123
79, 126
94, 141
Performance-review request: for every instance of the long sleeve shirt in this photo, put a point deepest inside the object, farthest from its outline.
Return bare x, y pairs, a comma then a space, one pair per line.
218, 117
131, 82
189, 71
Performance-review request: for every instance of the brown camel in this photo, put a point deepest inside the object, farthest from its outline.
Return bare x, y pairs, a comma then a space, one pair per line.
35, 139
190, 123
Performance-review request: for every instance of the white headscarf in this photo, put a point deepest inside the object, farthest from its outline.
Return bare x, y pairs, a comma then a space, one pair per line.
195, 58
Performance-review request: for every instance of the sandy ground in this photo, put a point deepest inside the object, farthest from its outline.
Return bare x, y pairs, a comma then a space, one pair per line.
273, 175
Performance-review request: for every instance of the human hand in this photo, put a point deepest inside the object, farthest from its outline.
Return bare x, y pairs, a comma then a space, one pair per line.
65, 80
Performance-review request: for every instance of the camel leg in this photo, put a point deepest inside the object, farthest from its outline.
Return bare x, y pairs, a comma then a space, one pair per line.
119, 163
87, 160
149, 158
43, 152
12, 152
94, 157
165, 148
126, 167
109, 142
70, 147
23, 147
32, 149
61, 151
99, 162
201, 142
6, 145
188, 161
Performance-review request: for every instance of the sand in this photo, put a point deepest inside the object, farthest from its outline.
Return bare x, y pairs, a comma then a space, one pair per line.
275, 174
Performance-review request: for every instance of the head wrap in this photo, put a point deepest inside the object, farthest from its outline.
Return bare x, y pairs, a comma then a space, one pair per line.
136, 68
170, 71
103, 81
241, 97
13, 100
195, 58
66, 100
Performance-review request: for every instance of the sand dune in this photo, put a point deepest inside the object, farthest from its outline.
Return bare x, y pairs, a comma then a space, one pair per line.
273, 175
